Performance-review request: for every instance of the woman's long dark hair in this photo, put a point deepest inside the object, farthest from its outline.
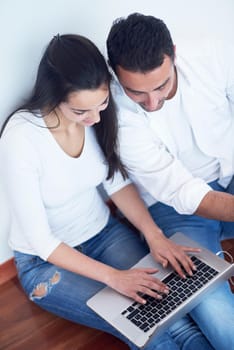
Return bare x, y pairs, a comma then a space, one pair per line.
72, 63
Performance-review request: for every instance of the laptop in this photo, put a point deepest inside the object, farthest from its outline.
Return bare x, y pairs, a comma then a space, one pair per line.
139, 323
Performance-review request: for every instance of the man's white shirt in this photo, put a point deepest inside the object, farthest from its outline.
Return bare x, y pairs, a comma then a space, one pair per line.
172, 154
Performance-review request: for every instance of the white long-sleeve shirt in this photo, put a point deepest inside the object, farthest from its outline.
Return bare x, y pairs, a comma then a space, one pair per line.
173, 152
52, 197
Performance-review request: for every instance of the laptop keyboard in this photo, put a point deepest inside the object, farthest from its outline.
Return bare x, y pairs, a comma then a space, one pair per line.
148, 315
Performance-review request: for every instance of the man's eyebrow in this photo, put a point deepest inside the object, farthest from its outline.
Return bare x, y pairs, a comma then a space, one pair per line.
86, 110
142, 92
131, 90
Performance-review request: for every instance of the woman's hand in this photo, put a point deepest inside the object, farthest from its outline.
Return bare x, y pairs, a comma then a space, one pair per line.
165, 251
135, 282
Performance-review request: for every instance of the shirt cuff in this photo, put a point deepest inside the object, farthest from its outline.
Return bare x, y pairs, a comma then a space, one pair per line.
190, 196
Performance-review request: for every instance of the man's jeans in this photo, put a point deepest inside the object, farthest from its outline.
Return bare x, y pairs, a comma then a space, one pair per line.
215, 315
207, 232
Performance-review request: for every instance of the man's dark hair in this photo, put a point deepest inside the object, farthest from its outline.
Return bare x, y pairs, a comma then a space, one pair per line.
139, 43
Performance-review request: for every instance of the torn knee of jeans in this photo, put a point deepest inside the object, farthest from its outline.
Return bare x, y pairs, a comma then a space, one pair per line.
40, 291
43, 288
56, 278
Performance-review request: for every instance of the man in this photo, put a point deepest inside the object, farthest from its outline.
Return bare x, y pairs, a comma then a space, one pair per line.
176, 127
176, 138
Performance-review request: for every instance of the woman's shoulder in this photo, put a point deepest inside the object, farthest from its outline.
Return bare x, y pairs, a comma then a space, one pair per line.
22, 125
20, 136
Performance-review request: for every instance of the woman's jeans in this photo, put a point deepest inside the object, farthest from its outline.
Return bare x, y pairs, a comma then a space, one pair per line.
215, 315
65, 293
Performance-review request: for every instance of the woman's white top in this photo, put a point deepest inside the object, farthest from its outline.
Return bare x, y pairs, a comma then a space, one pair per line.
52, 196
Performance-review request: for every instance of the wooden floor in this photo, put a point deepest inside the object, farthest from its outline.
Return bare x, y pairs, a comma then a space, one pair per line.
24, 326
228, 246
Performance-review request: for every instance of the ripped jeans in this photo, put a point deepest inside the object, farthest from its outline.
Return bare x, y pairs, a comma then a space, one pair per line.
65, 293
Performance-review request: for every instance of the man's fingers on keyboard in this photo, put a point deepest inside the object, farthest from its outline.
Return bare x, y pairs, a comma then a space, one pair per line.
191, 249
188, 266
185, 260
186, 263
176, 265
174, 261
180, 271
192, 265
162, 260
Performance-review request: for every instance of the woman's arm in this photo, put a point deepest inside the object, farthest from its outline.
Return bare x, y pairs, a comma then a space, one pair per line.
127, 282
164, 250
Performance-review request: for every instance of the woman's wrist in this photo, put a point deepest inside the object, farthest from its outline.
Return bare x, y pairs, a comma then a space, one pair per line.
109, 275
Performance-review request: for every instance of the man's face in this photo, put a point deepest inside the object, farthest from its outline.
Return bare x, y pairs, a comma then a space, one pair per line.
152, 88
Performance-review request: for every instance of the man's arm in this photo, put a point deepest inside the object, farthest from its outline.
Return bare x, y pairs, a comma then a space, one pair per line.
154, 170
163, 249
217, 205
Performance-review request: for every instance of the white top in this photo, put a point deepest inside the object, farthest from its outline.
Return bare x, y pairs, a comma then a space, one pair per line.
52, 197
173, 152
169, 126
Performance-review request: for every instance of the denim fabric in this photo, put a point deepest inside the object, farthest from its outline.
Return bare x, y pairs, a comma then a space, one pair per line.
215, 314
207, 232
228, 227
66, 293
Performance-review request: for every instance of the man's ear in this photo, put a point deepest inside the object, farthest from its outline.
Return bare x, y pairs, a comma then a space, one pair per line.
174, 53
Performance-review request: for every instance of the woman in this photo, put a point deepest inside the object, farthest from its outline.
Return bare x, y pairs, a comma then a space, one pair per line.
56, 149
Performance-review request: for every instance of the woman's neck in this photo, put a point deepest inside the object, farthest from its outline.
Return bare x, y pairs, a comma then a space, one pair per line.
69, 135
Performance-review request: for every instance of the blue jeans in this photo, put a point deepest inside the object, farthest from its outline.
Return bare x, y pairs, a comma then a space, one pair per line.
215, 314
207, 232
66, 293
227, 228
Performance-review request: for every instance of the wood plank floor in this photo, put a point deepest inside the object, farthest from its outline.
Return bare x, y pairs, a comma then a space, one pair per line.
24, 326
228, 246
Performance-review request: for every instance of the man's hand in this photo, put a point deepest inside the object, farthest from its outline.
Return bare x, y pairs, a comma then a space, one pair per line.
167, 252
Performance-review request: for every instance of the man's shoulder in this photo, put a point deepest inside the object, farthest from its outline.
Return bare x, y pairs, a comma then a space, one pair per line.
207, 61
204, 48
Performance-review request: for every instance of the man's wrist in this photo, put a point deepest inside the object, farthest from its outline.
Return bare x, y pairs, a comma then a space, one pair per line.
153, 235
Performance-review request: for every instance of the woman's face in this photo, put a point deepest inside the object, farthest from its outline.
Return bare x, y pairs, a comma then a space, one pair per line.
83, 107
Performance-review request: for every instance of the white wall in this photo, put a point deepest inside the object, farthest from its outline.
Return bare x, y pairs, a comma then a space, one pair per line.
26, 26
